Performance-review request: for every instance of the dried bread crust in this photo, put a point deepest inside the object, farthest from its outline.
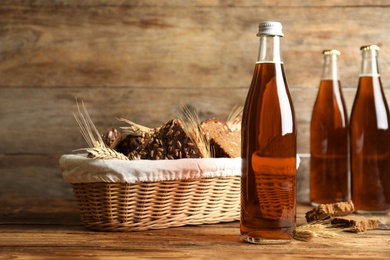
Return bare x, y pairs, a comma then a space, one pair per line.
323, 211
356, 223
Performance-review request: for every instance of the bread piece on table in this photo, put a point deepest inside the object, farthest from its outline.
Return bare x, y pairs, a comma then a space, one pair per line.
355, 223
330, 210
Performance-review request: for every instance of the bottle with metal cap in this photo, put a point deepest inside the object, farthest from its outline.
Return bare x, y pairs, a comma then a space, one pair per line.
370, 139
329, 176
268, 204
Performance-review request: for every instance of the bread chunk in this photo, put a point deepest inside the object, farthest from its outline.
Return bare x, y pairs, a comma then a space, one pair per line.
132, 146
168, 141
213, 127
224, 142
323, 211
355, 223
227, 145
111, 138
171, 141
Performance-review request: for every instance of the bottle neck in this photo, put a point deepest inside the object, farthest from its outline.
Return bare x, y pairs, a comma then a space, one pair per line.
269, 49
369, 65
330, 70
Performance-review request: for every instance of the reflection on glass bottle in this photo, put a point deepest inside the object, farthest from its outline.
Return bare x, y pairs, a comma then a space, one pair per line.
329, 176
370, 139
268, 204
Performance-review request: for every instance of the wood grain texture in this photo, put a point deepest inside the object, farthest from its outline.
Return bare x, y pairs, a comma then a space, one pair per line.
169, 3
50, 229
180, 47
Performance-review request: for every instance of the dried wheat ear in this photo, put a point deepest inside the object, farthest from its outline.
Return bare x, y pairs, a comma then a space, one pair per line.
97, 149
319, 228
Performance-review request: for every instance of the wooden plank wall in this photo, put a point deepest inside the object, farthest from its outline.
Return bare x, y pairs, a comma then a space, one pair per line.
142, 59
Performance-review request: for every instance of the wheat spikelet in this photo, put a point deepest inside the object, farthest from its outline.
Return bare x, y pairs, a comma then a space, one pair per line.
234, 118
304, 235
312, 230
97, 149
87, 128
307, 235
135, 129
105, 153
191, 125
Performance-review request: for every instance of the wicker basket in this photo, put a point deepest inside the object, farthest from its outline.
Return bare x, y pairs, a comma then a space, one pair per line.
144, 205
157, 205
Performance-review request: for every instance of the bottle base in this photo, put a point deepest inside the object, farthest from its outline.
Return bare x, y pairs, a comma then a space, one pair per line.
266, 241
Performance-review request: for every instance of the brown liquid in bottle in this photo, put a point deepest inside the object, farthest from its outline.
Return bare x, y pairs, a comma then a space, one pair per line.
329, 146
370, 147
268, 204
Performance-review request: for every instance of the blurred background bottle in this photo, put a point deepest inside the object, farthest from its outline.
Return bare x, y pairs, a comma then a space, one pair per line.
370, 139
329, 176
268, 193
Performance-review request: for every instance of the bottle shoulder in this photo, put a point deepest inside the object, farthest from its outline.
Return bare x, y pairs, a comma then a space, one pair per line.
329, 96
369, 87
329, 88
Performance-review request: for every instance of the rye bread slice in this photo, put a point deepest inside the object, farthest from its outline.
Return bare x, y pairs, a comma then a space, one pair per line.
213, 127
112, 137
224, 142
171, 141
227, 145
323, 211
355, 223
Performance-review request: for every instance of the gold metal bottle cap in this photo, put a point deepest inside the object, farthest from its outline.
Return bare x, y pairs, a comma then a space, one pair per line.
370, 48
331, 52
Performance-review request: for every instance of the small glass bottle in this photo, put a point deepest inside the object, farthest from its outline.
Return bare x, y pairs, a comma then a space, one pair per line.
370, 139
329, 176
268, 192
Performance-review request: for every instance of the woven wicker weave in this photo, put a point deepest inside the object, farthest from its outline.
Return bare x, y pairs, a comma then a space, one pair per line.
276, 194
157, 205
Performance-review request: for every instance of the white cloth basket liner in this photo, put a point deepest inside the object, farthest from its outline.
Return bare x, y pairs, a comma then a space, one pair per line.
77, 168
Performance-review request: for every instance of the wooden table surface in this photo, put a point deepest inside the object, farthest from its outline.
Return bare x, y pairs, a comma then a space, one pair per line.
51, 229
